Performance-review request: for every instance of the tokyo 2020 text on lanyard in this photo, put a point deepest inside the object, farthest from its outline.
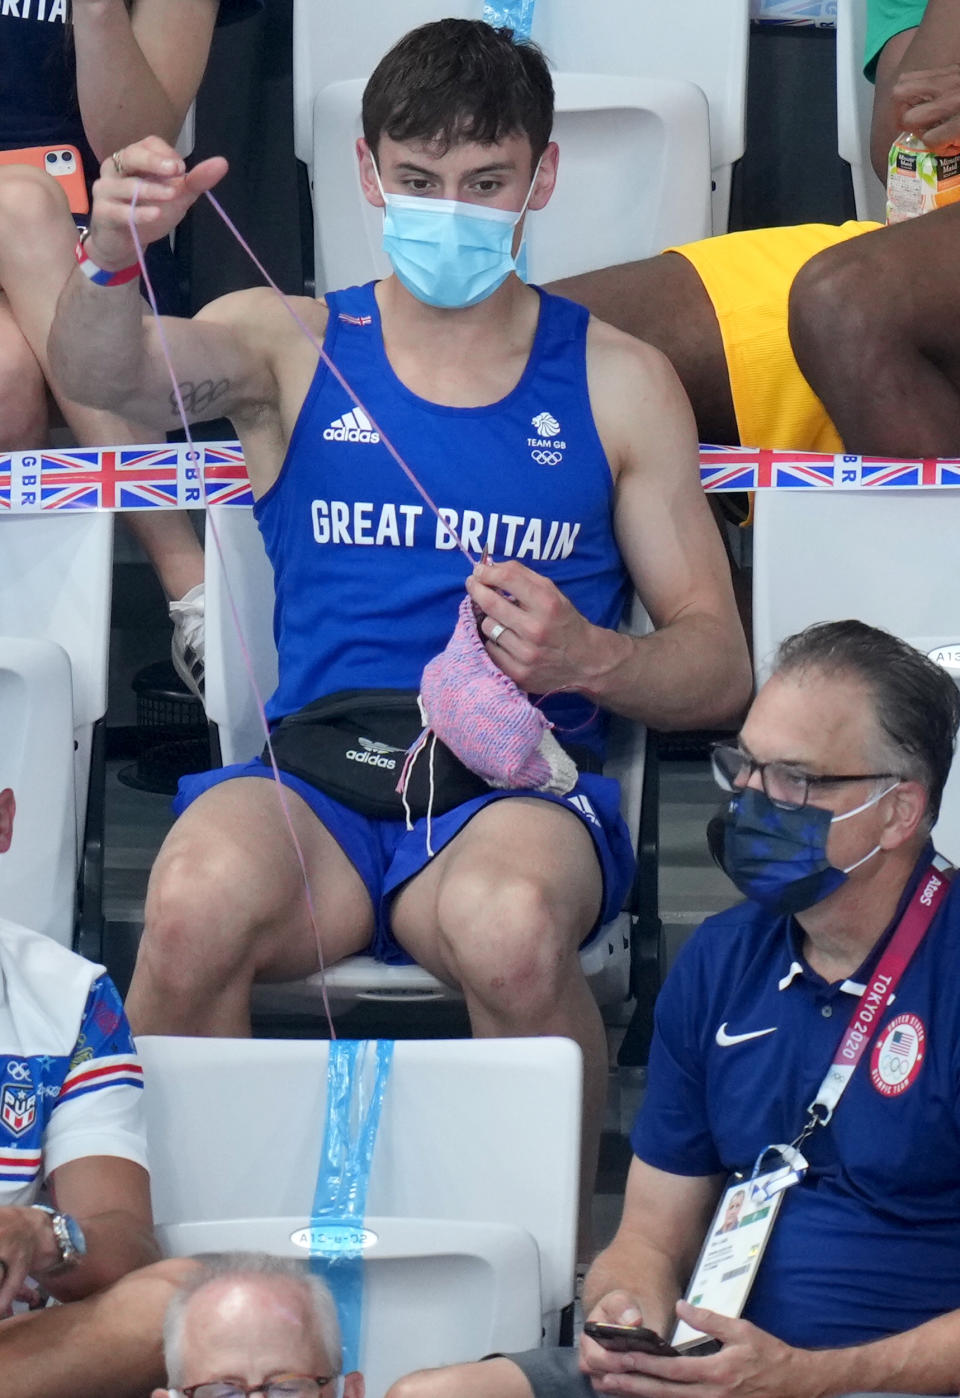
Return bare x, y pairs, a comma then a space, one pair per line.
749, 1205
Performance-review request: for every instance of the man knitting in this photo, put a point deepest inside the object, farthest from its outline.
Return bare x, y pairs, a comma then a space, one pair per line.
463, 366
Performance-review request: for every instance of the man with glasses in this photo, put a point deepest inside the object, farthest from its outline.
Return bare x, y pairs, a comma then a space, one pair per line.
248, 1323
832, 787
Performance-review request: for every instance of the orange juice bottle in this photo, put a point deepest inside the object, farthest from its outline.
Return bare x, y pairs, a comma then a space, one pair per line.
918, 180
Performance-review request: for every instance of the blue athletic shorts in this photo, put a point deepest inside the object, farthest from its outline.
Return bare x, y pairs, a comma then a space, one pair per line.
386, 854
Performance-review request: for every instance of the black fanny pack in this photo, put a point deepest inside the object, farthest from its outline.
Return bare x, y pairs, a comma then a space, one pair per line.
352, 745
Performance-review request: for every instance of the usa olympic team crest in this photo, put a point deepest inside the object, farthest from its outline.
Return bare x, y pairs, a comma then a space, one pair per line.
898, 1056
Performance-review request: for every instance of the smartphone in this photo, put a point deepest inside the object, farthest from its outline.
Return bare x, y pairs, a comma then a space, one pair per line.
627, 1337
63, 163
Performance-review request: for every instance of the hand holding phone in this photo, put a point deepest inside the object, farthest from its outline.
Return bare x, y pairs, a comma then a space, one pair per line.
627, 1337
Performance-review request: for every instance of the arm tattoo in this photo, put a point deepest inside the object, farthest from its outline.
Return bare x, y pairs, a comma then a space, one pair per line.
197, 397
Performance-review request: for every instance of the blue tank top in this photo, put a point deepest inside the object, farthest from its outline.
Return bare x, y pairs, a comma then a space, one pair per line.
368, 581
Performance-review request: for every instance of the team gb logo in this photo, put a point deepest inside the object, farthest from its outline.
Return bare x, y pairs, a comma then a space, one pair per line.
546, 425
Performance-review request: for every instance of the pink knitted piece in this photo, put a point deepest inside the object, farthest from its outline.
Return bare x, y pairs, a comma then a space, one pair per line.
486, 719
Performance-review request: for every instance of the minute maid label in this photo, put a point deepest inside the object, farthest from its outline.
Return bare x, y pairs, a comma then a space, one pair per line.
919, 181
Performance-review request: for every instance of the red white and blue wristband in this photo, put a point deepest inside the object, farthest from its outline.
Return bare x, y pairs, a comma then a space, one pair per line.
98, 274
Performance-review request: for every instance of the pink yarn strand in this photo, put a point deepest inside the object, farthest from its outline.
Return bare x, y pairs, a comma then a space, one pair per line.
234, 611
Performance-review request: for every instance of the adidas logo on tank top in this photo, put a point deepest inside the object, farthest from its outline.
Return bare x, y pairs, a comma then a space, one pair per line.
354, 426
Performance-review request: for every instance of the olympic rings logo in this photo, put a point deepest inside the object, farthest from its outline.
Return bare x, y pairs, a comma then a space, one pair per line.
19, 1072
547, 458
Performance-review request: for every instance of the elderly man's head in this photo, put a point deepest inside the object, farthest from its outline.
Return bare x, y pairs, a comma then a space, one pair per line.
246, 1323
840, 763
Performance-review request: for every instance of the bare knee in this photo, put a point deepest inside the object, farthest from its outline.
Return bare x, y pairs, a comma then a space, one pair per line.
418, 1385
30, 202
833, 302
198, 926
495, 1378
509, 942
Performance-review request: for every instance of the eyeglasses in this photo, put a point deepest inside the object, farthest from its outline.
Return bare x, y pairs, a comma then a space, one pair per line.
282, 1386
785, 785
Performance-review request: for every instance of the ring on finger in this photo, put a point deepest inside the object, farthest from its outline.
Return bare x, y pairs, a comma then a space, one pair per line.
496, 631
117, 159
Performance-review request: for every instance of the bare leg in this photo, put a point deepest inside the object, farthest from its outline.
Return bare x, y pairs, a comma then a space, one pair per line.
23, 392
500, 912
37, 237
663, 301
167, 538
107, 1346
226, 906
496, 1378
873, 323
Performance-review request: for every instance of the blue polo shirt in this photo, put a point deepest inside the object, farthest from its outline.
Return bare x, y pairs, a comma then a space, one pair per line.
869, 1244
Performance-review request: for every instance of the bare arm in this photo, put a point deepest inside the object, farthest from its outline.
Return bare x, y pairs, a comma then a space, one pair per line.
110, 1199
661, 1229
645, 1269
694, 670
753, 1364
139, 72
918, 83
105, 352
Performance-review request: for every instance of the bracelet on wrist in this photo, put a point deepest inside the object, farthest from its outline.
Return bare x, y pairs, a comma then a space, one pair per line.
99, 275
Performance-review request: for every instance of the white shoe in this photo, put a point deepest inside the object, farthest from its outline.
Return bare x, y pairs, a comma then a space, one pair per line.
186, 645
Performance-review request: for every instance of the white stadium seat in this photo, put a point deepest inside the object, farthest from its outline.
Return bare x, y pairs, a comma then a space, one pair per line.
887, 557
855, 110
38, 877
471, 1254
55, 587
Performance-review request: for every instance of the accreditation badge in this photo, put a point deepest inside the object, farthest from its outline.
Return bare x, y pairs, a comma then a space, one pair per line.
737, 1237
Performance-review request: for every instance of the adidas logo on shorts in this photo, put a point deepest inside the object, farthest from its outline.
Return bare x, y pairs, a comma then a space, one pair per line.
354, 426
585, 808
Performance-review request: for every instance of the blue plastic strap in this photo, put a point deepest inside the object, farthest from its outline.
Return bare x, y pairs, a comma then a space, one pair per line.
337, 1233
512, 14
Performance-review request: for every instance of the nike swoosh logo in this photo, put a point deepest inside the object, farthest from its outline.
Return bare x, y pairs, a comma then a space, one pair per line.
725, 1040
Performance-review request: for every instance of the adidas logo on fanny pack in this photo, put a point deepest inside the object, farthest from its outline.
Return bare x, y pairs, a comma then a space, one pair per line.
354, 426
373, 756
371, 759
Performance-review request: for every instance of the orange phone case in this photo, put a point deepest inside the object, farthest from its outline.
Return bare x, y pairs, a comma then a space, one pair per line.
63, 163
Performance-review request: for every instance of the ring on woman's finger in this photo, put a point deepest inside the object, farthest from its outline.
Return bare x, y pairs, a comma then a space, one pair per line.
496, 631
117, 159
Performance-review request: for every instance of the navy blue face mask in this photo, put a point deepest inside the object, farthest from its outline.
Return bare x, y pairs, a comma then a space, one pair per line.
778, 857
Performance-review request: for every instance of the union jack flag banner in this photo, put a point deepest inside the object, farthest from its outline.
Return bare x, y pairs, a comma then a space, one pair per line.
745, 468
177, 476
148, 477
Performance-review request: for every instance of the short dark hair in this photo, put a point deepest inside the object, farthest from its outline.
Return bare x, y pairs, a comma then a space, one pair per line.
916, 703
460, 80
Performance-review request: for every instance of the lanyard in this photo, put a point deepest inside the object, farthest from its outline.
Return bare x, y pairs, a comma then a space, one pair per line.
911, 930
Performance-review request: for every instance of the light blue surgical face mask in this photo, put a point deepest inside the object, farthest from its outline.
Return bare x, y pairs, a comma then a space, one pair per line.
448, 253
